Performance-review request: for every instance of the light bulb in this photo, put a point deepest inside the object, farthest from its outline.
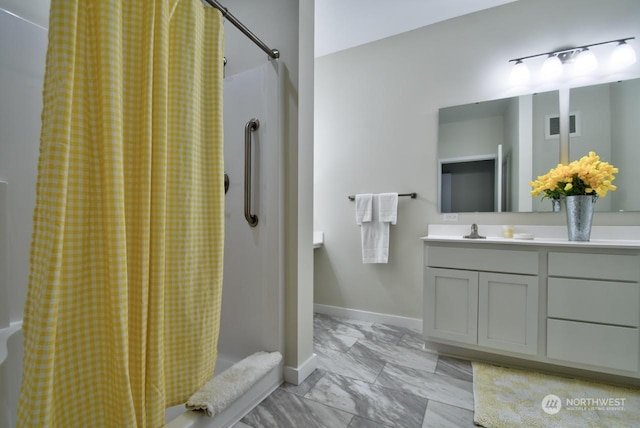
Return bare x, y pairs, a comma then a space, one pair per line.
585, 62
623, 56
551, 68
519, 73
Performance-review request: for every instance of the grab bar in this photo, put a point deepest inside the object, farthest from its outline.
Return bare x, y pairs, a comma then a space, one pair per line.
251, 126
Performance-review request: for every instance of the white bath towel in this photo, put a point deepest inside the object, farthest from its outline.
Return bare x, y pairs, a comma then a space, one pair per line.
375, 237
388, 207
222, 390
364, 207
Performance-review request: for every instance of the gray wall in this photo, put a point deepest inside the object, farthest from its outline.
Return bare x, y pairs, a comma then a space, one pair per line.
376, 129
594, 106
485, 134
625, 126
545, 151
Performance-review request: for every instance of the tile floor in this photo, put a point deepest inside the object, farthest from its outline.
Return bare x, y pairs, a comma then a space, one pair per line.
371, 376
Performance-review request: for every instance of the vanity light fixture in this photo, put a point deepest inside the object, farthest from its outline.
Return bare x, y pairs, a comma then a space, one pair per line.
623, 55
519, 74
585, 62
583, 59
551, 67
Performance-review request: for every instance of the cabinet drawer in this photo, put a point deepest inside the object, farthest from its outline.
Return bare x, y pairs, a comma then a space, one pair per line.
595, 266
524, 262
595, 301
593, 344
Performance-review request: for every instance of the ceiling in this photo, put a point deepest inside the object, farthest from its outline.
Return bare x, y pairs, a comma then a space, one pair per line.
343, 24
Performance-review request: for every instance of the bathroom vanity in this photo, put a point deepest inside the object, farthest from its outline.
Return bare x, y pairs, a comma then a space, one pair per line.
570, 307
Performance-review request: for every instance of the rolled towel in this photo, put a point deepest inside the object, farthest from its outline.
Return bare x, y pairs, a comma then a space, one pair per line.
222, 390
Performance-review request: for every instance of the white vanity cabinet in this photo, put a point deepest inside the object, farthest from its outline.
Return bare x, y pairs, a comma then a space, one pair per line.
593, 309
470, 299
548, 303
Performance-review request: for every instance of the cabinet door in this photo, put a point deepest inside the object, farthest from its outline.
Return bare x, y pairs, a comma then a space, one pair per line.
508, 312
451, 305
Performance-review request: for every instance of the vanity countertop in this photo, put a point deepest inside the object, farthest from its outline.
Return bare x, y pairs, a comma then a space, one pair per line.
622, 237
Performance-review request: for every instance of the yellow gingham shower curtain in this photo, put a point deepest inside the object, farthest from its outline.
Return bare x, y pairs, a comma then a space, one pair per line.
123, 306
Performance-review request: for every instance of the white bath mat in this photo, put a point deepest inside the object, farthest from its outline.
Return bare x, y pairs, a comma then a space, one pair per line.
520, 398
221, 391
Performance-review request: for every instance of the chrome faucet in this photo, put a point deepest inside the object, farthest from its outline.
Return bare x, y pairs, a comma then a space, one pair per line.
474, 233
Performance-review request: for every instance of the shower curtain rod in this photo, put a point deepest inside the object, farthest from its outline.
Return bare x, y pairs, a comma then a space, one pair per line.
273, 53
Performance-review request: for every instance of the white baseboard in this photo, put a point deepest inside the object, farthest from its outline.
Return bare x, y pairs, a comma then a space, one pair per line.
297, 375
356, 314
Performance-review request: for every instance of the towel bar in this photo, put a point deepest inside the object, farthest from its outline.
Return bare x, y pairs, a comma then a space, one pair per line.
413, 196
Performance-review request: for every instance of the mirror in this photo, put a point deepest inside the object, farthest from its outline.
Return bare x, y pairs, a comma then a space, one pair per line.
489, 151
609, 124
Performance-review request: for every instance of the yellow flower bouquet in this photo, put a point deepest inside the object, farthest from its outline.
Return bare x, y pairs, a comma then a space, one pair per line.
587, 176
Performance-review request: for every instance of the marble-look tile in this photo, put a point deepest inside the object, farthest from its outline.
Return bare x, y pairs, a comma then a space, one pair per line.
429, 385
306, 385
394, 330
412, 340
453, 367
358, 422
282, 410
242, 425
402, 356
384, 333
359, 366
329, 339
384, 405
440, 415
358, 329
330, 322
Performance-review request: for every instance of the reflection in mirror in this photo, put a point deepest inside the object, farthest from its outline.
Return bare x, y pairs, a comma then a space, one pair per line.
489, 151
610, 126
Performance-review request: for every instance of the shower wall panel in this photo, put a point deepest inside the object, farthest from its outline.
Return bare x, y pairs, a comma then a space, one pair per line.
253, 288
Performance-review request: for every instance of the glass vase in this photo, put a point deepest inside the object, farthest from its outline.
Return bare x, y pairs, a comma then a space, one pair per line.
579, 209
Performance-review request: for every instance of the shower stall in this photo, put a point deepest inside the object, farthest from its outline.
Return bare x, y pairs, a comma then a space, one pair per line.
252, 317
